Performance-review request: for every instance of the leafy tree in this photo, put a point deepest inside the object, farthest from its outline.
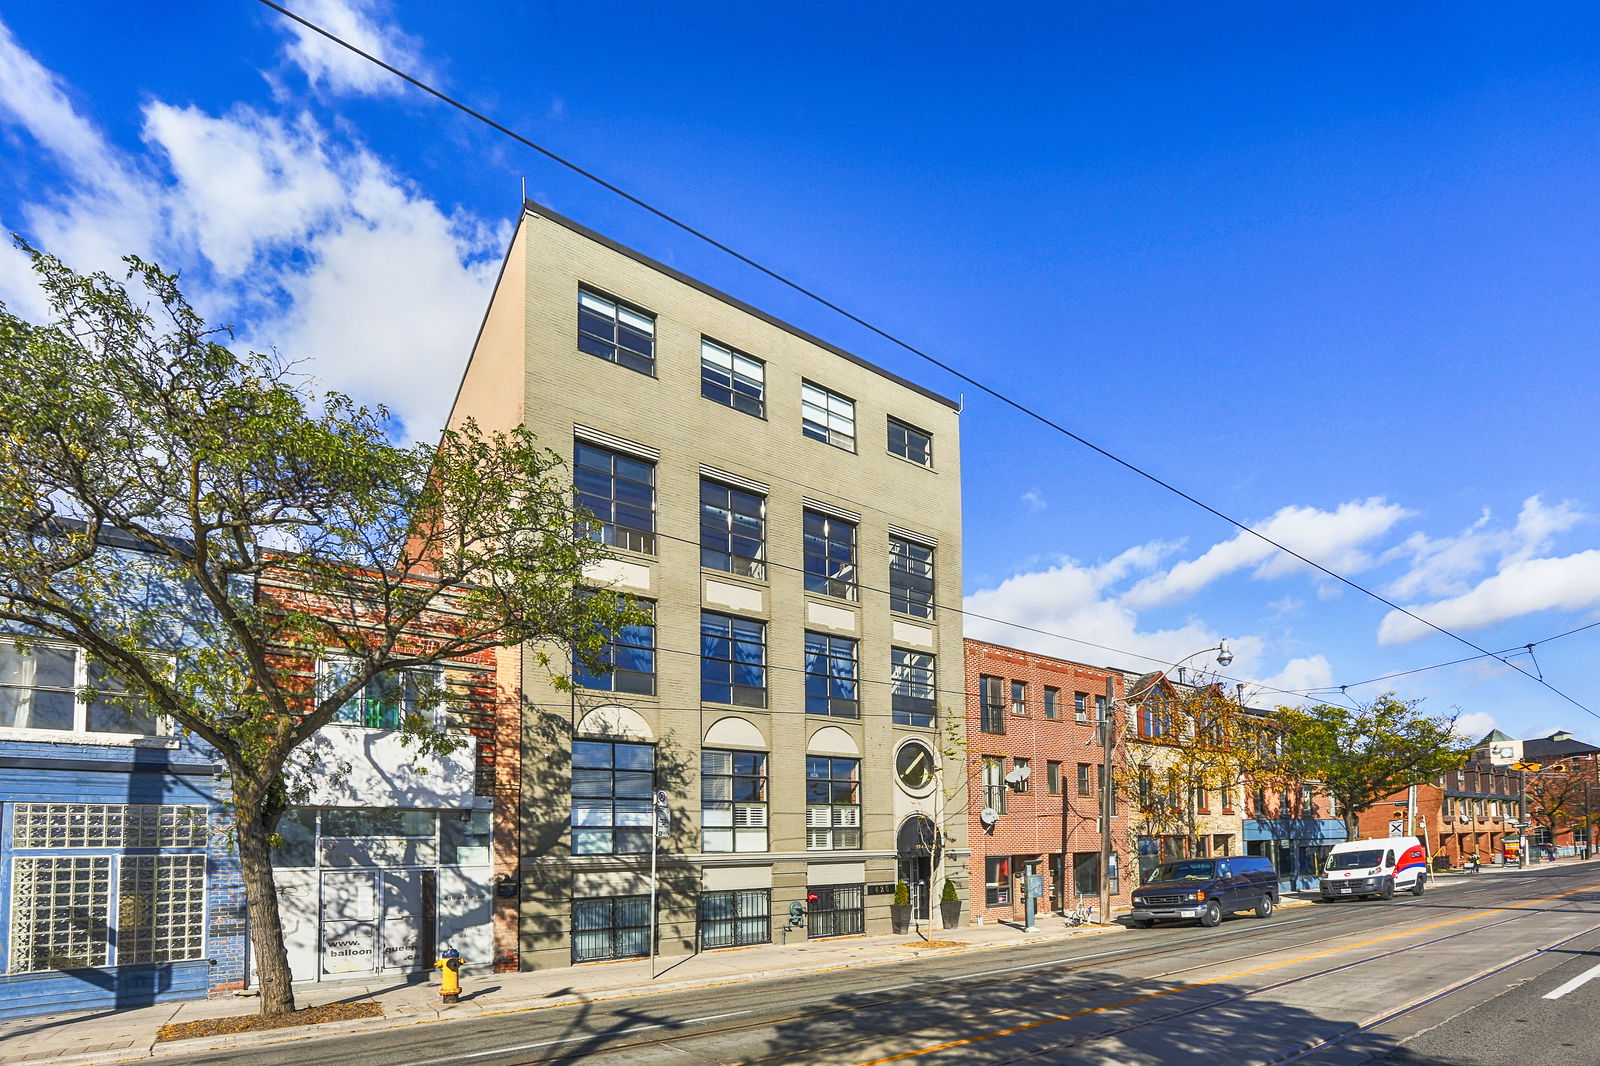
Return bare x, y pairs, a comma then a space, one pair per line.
1366, 754
1191, 747
288, 516
1560, 800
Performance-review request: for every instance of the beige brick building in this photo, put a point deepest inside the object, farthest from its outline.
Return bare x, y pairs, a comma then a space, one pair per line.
793, 515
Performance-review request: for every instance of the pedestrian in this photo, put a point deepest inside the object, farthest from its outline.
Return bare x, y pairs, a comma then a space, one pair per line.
1550, 852
1472, 863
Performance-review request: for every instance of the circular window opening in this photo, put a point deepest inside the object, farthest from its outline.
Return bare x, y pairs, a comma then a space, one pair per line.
913, 765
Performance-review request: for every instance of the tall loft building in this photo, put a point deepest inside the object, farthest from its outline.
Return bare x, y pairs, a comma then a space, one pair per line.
791, 515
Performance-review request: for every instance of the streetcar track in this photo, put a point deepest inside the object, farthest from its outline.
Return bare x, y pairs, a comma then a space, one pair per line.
960, 983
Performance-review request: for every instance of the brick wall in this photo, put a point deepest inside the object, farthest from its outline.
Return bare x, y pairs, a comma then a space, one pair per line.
1038, 824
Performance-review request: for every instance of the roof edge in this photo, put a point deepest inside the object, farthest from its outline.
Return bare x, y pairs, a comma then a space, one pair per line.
529, 207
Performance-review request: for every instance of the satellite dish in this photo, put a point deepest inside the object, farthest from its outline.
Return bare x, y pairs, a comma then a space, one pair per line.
988, 816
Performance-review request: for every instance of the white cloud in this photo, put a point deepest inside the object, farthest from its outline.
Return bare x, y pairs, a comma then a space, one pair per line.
307, 242
1331, 538
364, 23
1443, 566
1521, 587
1476, 725
1297, 675
1035, 500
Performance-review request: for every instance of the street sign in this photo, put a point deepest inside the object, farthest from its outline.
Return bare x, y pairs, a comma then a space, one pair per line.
1505, 752
663, 815
1526, 767
1397, 827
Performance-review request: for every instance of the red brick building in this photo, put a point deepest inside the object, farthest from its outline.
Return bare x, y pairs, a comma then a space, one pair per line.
1037, 713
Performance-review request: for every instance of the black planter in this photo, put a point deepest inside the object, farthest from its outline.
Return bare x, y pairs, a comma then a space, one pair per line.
950, 913
900, 917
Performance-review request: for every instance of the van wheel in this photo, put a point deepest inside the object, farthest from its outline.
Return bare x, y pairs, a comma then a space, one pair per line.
1416, 889
1264, 907
1211, 917
1387, 891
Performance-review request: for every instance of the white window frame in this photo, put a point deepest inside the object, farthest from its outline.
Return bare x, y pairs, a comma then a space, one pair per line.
827, 416
325, 665
161, 725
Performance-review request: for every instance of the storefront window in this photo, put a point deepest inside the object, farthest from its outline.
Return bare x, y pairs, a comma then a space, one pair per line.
997, 880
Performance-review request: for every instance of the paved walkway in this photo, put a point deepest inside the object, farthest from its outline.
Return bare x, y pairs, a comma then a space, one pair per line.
95, 1037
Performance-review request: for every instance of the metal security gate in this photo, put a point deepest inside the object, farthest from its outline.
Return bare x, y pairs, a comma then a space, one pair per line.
837, 911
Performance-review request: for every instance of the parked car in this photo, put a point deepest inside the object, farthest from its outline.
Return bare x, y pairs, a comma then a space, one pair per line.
1205, 890
1364, 869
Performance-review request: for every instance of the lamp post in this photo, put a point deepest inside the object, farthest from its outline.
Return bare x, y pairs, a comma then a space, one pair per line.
1108, 786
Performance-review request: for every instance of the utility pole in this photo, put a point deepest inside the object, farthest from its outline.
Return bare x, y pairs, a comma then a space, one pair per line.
1411, 811
1522, 818
1107, 787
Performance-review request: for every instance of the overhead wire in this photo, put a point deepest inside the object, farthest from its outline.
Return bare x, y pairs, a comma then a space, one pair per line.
895, 340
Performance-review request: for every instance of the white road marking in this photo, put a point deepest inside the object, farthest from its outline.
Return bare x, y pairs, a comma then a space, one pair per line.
586, 1036
1577, 982
892, 988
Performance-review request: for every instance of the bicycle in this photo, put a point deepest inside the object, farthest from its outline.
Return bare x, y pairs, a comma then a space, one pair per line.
1083, 914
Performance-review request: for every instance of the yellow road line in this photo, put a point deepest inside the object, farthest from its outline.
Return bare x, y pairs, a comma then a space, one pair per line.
1055, 1018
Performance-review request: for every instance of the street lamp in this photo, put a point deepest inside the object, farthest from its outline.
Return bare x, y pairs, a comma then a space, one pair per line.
1108, 786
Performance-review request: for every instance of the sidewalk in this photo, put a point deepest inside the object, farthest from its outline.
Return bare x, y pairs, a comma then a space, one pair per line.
96, 1037
93, 1037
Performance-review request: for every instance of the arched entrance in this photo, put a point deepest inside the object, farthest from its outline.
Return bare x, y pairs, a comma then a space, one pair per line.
917, 849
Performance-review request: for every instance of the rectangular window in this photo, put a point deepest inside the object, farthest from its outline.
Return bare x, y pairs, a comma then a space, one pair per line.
997, 880
736, 919
909, 442
994, 783
1099, 708
830, 556
911, 687
161, 908
610, 927
1024, 782
620, 491
1080, 706
1086, 873
60, 913
910, 578
385, 701
991, 705
1019, 697
833, 803
1052, 701
1085, 771
733, 660
613, 797
733, 378
831, 676
1053, 777
733, 530
616, 332
37, 826
836, 911
827, 416
733, 801
42, 688
631, 654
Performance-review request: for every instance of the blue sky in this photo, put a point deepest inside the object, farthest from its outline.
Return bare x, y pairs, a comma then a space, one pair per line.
1331, 269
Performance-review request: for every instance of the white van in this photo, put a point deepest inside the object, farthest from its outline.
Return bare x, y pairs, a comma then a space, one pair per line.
1363, 868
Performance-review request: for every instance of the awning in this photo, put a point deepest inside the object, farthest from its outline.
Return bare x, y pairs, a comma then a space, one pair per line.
1295, 830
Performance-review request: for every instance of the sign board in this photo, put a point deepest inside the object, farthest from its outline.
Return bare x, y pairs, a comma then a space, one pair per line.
881, 888
1397, 827
1035, 885
663, 815
1505, 752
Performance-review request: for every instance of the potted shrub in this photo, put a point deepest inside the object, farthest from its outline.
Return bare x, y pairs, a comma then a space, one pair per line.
900, 909
949, 905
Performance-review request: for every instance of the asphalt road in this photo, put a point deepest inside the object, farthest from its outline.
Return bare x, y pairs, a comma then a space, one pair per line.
1457, 973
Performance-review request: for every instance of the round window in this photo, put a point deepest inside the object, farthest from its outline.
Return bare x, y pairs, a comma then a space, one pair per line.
913, 765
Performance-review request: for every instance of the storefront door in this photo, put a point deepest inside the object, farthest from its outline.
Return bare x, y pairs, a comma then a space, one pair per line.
376, 921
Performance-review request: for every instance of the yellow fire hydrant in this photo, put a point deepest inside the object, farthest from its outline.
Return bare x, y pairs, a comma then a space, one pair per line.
449, 965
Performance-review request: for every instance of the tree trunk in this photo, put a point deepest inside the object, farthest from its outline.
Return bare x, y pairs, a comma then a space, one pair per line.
261, 898
1352, 823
